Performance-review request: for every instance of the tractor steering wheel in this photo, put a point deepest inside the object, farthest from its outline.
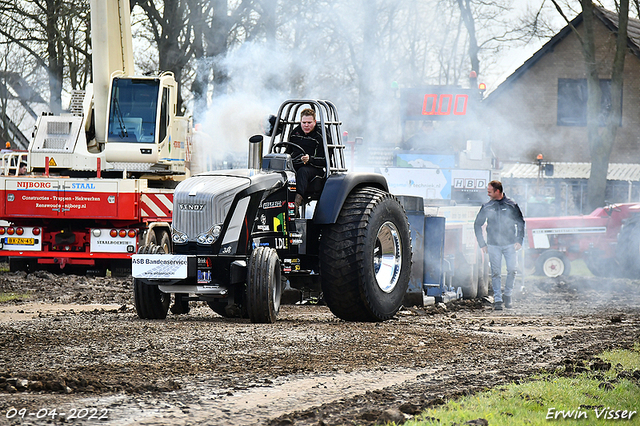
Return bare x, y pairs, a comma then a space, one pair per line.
295, 159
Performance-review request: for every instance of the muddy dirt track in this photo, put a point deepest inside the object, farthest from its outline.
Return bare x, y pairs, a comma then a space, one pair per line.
75, 345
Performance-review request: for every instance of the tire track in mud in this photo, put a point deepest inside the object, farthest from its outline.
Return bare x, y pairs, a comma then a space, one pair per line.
252, 406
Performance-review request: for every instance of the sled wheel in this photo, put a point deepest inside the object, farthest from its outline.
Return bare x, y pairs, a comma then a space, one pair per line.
150, 302
553, 264
365, 257
264, 286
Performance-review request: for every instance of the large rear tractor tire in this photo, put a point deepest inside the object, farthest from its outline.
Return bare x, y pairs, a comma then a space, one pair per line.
264, 285
553, 264
149, 301
365, 257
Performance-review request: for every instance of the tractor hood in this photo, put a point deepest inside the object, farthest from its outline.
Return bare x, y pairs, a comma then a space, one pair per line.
203, 202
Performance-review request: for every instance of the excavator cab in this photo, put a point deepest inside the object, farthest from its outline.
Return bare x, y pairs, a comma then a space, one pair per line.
143, 130
133, 110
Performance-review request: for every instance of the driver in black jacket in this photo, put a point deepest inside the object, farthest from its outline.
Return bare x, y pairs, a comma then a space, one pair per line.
309, 137
505, 233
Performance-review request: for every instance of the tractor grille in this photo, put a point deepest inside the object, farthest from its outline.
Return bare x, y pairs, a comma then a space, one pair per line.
201, 202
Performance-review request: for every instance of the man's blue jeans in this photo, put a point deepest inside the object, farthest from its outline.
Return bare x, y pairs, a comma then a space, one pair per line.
495, 258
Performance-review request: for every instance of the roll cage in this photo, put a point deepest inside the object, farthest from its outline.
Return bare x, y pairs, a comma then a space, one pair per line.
327, 118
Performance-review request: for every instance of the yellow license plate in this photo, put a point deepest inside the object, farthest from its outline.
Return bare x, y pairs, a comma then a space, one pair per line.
20, 241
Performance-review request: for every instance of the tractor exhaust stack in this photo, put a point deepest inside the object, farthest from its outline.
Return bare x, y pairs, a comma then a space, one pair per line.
255, 152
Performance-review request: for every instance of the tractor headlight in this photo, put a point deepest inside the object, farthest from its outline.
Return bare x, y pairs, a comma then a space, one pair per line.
210, 236
205, 239
179, 237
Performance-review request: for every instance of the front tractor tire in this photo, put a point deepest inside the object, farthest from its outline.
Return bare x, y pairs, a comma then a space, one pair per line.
553, 264
365, 257
264, 285
149, 301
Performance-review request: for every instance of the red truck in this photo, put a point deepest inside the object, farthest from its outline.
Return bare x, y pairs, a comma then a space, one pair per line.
99, 180
82, 223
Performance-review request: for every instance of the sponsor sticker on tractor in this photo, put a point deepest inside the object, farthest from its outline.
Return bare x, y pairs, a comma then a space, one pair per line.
159, 266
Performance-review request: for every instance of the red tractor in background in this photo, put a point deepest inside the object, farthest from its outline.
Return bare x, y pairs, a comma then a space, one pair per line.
608, 240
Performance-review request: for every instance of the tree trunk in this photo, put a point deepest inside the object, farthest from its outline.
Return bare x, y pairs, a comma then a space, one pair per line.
55, 53
367, 125
601, 142
201, 80
467, 16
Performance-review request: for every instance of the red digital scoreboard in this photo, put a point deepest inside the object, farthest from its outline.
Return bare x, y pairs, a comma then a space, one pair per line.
435, 103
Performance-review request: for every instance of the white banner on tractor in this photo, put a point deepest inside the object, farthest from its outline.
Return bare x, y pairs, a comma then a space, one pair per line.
159, 266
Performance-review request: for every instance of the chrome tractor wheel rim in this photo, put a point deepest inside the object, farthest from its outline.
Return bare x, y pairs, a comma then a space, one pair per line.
276, 294
387, 257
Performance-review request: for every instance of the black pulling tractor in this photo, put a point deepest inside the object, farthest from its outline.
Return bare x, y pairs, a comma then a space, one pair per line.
237, 238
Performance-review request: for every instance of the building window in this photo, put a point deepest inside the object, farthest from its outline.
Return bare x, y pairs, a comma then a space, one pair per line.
572, 102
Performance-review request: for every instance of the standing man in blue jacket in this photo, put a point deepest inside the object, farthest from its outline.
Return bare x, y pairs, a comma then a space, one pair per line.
505, 233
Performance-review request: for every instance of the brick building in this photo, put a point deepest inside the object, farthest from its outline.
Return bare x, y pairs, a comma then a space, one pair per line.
541, 107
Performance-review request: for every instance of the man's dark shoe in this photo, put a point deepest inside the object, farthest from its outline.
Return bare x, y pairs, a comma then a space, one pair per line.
507, 301
497, 306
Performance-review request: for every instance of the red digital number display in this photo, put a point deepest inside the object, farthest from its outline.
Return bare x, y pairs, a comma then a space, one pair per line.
444, 104
433, 103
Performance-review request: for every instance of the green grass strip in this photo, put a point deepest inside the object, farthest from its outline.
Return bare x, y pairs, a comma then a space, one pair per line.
589, 397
